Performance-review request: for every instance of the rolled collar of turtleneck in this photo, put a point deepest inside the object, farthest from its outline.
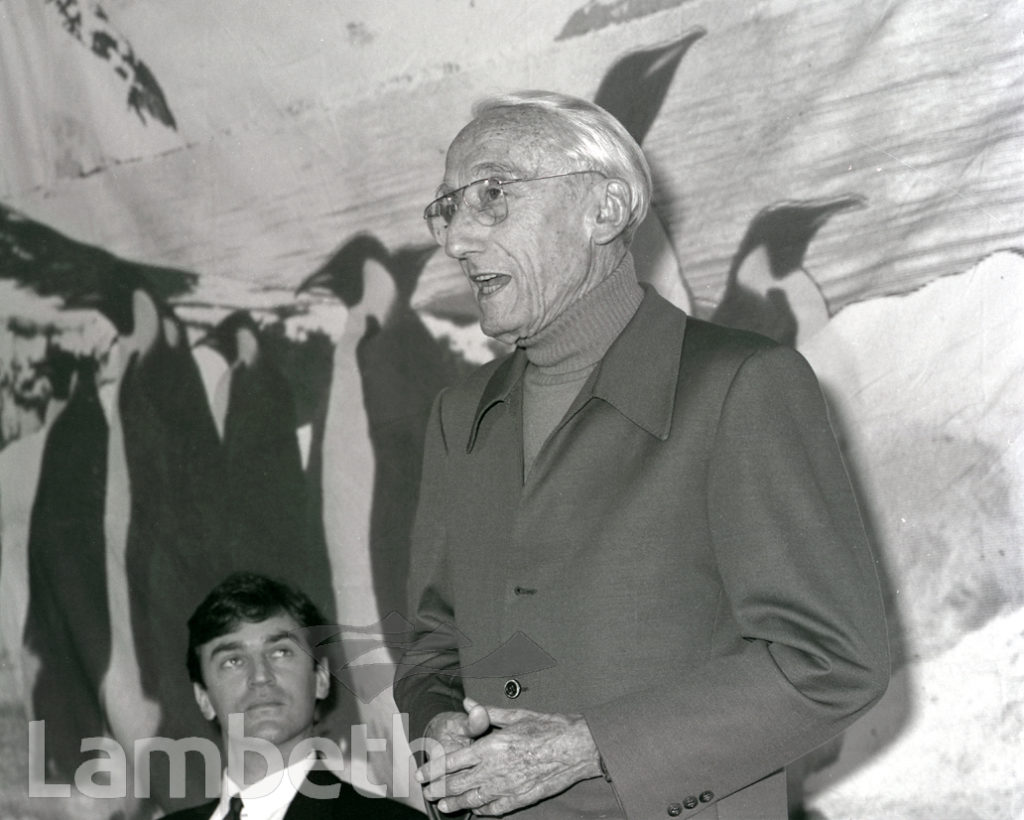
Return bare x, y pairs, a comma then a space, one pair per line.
578, 338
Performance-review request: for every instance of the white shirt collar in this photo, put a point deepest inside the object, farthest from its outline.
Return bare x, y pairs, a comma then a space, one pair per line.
266, 799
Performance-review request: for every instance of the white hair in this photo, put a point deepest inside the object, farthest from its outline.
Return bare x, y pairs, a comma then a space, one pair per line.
590, 139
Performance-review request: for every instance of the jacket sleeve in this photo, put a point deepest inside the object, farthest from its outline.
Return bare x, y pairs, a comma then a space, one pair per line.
800, 582
426, 679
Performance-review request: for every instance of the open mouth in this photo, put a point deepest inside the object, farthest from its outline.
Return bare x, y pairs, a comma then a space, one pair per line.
489, 283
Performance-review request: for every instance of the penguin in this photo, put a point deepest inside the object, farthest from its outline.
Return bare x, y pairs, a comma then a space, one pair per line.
365, 462
67, 626
168, 537
634, 89
635, 86
20, 465
264, 494
768, 289
164, 545
402, 368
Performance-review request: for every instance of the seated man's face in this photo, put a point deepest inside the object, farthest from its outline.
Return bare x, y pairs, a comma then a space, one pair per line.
268, 675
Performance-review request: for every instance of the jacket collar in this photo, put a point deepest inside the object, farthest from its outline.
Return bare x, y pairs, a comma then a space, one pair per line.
498, 389
638, 375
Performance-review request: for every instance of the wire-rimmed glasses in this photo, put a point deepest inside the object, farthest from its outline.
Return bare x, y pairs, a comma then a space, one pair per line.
484, 199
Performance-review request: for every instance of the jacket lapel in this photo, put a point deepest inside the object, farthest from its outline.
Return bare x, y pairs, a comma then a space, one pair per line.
305, 807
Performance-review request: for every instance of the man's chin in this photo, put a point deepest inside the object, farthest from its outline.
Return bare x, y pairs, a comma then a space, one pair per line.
264, 723
498, 332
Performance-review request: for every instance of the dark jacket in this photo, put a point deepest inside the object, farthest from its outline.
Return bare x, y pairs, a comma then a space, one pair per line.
349, 804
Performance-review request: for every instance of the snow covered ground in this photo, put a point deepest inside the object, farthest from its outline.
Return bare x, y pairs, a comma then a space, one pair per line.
929, 401
959, 719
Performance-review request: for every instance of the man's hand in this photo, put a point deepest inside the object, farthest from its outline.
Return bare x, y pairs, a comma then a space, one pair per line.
456, 730
526, 757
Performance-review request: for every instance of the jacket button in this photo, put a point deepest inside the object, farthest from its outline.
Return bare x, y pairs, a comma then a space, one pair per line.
512, 689
690, 802
707, 797
674, 810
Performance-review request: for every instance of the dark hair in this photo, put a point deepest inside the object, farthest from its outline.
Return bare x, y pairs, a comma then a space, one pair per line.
244, 597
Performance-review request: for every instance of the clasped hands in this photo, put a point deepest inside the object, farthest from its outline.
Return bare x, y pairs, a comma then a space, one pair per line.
498, 760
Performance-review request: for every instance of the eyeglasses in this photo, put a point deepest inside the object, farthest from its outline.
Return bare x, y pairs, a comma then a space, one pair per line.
485, 200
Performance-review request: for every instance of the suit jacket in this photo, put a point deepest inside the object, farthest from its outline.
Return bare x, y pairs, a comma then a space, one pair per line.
349, 804
686, 551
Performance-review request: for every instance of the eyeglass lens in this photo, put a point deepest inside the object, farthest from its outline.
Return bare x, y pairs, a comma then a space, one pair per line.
484, 199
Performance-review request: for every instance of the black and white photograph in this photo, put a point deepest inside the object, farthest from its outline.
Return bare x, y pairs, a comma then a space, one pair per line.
511, 408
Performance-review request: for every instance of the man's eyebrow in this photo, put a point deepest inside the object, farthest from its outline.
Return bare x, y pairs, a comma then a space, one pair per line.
283, 635
502, 172
225, 646
482, 172
236, 646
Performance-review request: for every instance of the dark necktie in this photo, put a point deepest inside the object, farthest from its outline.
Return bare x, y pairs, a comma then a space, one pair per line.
234, 809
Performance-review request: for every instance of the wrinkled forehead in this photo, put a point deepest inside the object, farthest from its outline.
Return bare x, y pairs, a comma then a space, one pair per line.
506, 143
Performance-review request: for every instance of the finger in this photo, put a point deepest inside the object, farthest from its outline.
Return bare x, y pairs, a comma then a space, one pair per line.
448, 728
477, 719
498, 806
438, 789
493, 809
499, 716
513, 801
461, 759
439, 767
473, 799
434, 769
451, 786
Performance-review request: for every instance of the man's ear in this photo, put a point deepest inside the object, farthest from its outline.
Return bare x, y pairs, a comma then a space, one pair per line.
323, 679
203, 700
613, 211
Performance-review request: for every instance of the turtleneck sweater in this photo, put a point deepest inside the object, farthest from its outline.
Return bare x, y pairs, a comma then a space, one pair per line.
562, 355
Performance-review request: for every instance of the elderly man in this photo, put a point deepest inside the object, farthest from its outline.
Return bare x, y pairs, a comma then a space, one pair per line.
656, 502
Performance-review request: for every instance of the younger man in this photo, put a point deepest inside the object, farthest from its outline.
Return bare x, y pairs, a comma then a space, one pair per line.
254, 672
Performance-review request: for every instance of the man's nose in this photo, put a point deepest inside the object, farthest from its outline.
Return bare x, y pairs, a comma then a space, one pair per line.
464, 234
261, 672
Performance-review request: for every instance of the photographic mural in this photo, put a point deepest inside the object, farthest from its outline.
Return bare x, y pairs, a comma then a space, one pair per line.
222, 325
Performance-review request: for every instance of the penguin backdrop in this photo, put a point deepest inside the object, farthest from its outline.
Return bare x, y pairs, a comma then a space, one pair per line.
223, 322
